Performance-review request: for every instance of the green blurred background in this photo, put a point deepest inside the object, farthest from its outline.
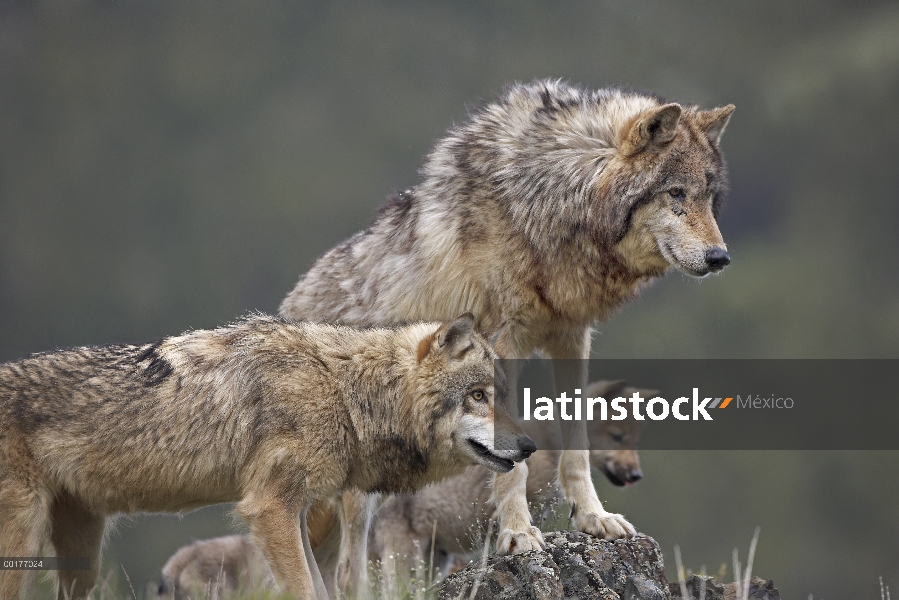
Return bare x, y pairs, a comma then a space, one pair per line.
168, 165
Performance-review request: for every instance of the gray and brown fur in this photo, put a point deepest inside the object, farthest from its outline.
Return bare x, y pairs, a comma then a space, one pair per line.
542, 214
269, 413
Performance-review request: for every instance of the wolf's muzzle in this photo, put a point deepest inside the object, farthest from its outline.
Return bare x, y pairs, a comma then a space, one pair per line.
624, 477
527, 446
716, 258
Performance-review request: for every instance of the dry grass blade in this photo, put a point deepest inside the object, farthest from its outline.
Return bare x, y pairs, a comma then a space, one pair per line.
485, 553
681, 576
748, 576
431, 562
128, 579
104, 585
702, 585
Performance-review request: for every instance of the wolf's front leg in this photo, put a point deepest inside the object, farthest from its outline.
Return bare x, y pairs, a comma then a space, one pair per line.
587, 512
570, 374
516, 534
284, 542
356, 512
75, 530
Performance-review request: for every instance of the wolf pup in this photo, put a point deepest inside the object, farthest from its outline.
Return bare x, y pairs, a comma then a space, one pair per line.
270, 413
543, 213
214, 568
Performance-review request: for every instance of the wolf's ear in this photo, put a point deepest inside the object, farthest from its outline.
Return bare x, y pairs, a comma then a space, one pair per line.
604, 387
654, 127
495, 337
648, 394
452, 339
713, 122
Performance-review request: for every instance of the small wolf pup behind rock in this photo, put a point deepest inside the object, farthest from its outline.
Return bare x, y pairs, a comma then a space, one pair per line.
218, 566
270, 413
541, 215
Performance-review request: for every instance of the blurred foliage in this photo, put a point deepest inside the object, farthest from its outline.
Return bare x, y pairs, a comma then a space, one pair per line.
168, 165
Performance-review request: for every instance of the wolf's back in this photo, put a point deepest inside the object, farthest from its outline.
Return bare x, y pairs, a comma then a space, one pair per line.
56, 387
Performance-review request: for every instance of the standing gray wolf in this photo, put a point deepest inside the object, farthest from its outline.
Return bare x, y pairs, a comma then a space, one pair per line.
451, 512
272, 414
541, 215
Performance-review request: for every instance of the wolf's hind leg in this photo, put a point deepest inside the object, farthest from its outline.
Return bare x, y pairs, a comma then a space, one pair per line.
76, 531
23, 529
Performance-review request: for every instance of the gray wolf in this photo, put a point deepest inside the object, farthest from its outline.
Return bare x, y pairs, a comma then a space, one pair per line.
214, 568
270, 413
542, 214
451, 514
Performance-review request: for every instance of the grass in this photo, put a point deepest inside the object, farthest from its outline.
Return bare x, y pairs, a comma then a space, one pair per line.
420, 583
741, 578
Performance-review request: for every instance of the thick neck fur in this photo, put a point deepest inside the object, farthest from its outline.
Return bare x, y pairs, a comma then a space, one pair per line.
551, 182
379, 383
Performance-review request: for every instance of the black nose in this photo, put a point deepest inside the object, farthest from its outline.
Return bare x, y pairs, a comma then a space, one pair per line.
635, 475
716, 258
526, 445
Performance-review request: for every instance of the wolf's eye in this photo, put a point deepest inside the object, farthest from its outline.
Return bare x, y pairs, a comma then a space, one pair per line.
677, 193
478, 395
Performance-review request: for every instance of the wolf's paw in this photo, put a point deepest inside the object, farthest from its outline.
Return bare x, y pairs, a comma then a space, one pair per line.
516, 542
609, 526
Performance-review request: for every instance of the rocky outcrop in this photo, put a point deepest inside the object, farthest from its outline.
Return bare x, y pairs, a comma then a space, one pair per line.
577, 565
574, 565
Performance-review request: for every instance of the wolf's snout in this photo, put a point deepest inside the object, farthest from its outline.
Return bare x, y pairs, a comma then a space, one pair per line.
622, 476
527, 446
717, 258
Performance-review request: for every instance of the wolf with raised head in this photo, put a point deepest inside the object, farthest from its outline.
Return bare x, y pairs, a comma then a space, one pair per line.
273, 414
542, 214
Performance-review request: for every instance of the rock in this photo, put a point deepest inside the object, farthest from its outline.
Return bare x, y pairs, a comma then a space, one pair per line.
759, 589
713, 589
574, 565
577, 565
529, 575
